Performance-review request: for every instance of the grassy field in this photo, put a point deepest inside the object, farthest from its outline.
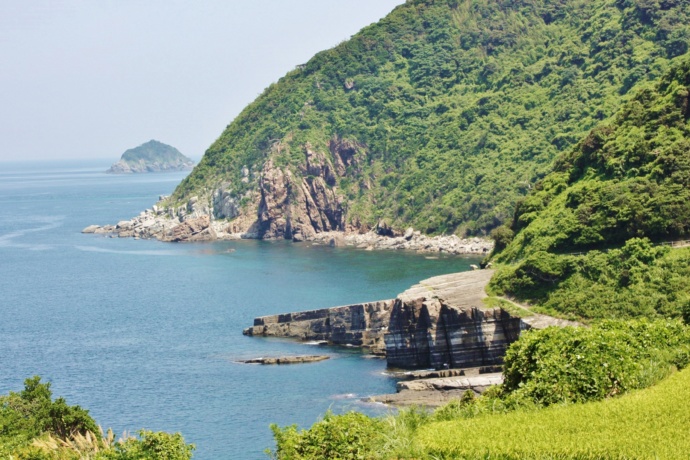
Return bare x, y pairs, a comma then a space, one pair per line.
651, 423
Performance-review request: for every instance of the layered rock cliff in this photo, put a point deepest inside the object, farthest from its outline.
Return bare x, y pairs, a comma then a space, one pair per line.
429, 333
442, 322
360, 324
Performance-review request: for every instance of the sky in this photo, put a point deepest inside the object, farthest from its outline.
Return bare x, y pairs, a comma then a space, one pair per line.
91, 79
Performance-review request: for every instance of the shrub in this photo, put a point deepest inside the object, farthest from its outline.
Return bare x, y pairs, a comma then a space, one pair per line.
346, 436
559, 365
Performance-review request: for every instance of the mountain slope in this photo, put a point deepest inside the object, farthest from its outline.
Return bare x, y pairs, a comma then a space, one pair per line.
439, 116
624, 187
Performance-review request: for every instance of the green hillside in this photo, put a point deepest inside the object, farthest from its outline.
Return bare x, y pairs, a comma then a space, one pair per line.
627, 178
443, 114
587, 241
622, 189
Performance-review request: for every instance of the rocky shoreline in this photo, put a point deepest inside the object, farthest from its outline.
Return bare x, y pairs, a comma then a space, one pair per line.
441, 323
424, 390
163, 224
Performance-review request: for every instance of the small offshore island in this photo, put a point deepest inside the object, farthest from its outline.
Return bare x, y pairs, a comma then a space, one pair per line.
150, 157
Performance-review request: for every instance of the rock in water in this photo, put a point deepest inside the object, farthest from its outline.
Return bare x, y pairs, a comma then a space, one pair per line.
286, 360
152, 156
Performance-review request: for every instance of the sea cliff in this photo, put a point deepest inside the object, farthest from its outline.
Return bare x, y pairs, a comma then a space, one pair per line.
442, 322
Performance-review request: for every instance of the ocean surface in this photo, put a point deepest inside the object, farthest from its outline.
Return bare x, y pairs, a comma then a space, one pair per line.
147, 334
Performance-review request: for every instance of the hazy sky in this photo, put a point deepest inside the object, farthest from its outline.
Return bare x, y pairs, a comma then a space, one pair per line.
90, 79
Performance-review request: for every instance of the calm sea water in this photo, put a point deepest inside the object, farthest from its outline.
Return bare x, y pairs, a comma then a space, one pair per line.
146, 334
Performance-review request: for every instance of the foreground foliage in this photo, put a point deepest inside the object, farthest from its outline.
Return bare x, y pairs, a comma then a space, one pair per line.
347, 437
449, 109
564, 365
648, 424
553, 367
34, 426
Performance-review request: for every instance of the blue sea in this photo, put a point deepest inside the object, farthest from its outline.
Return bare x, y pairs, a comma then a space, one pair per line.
147, 334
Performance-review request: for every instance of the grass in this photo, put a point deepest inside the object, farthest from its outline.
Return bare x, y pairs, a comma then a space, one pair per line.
505, 304
651, 423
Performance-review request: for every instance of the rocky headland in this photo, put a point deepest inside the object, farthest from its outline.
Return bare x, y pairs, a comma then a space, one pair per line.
197, 222
443, 323
150, 157
304, 205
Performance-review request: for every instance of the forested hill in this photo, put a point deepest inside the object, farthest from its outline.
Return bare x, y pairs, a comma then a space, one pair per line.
629, 177
440, 116
586, 242
152, 156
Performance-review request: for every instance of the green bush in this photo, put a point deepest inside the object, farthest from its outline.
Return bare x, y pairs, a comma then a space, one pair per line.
32, 412
33, 426
348, 437
558, 365
151, 445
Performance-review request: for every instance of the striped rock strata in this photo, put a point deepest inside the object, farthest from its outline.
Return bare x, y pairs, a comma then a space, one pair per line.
360, 324
442, 322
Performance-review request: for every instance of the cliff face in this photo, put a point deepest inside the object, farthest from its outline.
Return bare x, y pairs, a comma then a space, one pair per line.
298, 207
440, 322
430, 333
359, 324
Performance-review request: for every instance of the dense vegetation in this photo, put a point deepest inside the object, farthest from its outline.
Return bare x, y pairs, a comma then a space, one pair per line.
36, 427
553, 367
451, 109
628, 178
585, 242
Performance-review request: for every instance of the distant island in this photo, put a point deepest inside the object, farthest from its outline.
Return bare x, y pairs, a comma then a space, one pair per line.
153, 156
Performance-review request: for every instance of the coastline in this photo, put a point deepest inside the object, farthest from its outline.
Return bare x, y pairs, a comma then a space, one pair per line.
440, 335
161, 224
